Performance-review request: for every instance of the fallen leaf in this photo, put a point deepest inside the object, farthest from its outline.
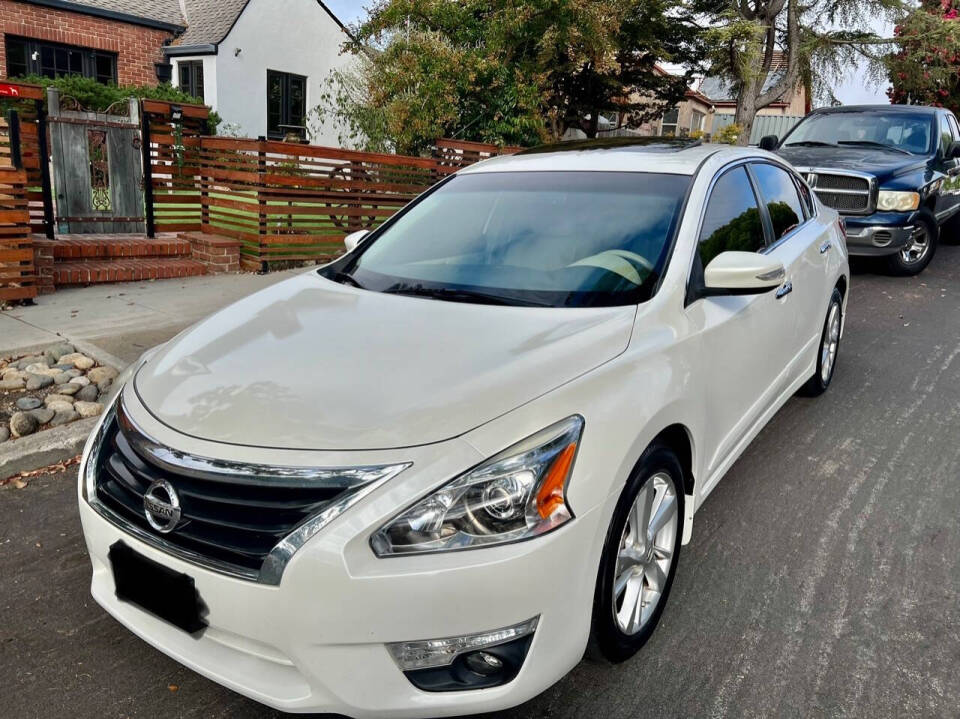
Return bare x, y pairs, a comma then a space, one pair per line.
173, 687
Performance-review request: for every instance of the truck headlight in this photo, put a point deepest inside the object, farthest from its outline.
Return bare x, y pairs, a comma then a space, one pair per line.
518, 494
893, 201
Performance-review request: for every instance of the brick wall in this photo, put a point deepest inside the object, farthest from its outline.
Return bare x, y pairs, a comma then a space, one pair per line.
137, 47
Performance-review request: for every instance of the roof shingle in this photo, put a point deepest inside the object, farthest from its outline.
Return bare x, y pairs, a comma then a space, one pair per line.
165, 11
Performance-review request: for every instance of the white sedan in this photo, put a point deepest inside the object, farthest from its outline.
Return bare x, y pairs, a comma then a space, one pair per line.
420, 480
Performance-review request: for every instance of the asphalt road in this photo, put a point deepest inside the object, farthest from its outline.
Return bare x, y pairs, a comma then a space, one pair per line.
823, 578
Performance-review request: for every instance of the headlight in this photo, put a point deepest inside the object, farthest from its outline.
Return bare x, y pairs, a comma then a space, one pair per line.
890, 201
518, 494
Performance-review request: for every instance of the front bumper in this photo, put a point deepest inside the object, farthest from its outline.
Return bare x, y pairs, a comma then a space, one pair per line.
316, 642
879, 234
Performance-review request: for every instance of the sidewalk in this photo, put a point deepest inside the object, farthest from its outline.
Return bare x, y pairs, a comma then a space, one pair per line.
125, 319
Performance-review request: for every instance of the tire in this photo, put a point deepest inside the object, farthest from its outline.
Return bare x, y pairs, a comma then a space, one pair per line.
828, 350
913, 260
615, 635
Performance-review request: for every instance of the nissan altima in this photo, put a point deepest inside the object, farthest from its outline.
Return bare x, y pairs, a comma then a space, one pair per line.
425, 479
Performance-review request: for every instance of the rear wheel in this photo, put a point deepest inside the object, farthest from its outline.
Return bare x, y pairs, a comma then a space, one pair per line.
914, 258
829, 348
639, 558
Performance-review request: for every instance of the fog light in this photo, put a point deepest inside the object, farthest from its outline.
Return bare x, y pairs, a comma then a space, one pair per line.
472, 661
483, 663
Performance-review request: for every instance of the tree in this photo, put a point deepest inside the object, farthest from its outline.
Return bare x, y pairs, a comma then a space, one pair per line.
507, 71
747, 34
926, 68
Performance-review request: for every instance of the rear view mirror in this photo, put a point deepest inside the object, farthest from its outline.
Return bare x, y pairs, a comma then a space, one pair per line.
769, 142
742, 273
352, 240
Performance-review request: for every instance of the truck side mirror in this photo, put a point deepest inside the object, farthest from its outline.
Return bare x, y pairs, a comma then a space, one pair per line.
953, 152
769, 142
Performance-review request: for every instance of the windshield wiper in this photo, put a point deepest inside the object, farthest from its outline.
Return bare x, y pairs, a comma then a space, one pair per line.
809, 143
347, 279
870, 143
454, 295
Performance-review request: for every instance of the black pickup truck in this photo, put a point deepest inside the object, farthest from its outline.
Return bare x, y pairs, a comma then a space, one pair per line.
891, 171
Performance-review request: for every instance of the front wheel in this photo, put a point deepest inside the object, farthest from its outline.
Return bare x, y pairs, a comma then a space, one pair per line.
639, 557
828, 350
914, 258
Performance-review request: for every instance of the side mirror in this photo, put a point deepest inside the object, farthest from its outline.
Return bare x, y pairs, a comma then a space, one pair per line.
769, 142
953, 152
742, 273
352, 240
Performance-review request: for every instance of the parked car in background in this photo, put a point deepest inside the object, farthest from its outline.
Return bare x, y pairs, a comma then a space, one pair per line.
417, 481
891, 171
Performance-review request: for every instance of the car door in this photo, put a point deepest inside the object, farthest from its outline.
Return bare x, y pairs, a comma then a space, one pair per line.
800, 244
948, 202
746, 340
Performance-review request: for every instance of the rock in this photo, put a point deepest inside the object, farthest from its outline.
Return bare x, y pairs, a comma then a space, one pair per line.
12, 373
38, 381
4, 434
51, 398
62, 367
82, 381
71, 373
60, 406
10, 384
28, 403
105, 385
101, 374
78, 360
58, 351
27, 361
62, 379
90, 393
69, 389
88, 409
63, 417
22, 424
43, 370
43, 415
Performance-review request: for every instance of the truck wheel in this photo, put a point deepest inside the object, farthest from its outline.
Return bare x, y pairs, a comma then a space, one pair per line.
914, 258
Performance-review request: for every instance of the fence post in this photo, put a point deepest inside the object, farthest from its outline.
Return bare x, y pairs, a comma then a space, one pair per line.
261, 204
46, 184
145, 148
13, 128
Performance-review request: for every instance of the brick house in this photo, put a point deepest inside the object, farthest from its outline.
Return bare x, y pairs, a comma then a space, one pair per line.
117, 41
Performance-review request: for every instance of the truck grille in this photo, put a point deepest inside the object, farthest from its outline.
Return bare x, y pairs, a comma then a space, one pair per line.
849, 194
233, 523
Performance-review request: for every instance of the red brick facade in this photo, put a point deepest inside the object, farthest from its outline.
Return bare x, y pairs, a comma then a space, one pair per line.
137, 47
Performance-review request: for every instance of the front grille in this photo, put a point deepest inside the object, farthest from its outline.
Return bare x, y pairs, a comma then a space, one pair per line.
232, 523
850, 194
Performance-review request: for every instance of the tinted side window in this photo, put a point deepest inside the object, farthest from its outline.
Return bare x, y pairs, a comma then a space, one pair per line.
807, 197
732, 220
780, 195
946, 137
954, 128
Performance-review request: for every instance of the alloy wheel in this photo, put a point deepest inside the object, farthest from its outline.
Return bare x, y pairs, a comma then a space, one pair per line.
646, 553
919, 246
831, 342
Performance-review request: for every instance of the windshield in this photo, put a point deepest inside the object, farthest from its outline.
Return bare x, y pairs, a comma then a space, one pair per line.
897, 131
559, 239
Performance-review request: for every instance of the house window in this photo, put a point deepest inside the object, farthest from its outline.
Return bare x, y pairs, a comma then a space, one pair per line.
668, 126
191, 78
696, 121
286, 105
50, 59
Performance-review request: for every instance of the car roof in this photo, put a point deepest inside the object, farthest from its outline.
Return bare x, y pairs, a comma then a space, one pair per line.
912, 109
660, 155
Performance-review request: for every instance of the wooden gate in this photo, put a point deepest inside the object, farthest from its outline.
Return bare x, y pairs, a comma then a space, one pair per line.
98, 177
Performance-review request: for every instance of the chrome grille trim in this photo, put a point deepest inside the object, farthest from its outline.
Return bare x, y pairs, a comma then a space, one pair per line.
847, 191
355, 483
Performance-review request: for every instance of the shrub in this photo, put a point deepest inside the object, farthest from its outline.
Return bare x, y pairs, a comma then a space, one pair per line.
728, 135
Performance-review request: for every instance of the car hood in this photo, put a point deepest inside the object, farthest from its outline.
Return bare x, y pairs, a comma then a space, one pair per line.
311, 364
882, 163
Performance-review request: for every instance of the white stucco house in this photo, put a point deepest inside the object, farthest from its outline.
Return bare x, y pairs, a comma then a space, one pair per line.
261, 64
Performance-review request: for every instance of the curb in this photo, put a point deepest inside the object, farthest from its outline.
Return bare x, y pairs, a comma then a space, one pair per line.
44, 448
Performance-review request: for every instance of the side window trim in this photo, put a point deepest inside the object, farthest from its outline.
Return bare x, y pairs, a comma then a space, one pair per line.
768, 238
765, 213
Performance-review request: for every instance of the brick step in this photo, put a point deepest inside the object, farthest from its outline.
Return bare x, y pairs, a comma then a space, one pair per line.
104, 247
125, 270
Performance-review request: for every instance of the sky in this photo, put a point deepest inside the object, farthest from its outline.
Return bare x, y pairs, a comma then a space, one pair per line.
855, 91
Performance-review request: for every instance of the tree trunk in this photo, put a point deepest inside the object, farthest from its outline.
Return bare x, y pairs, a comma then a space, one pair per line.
746, 113
593, 127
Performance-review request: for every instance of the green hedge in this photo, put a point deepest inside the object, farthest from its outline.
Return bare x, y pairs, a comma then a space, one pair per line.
93, 95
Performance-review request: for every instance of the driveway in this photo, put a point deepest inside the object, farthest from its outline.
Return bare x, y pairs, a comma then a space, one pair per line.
823, 578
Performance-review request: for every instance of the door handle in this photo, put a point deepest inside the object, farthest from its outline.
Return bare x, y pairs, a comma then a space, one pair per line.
826, 247
784, 290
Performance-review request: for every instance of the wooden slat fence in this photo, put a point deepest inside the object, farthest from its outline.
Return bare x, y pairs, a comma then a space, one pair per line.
18, 279
452, 155
28, 103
